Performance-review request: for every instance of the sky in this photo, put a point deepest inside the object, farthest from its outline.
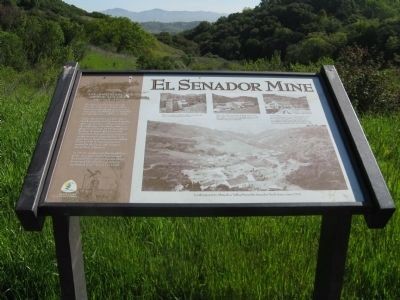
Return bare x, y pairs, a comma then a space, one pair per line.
222, 6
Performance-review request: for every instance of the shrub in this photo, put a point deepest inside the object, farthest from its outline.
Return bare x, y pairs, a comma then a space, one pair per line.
11, 51
150, 62
310, 50
369, 86
120, 34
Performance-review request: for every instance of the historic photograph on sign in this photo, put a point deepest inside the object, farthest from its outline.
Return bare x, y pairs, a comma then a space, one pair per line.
129, 88
100, 187
181, 157
278, 104
174, 103
235, 105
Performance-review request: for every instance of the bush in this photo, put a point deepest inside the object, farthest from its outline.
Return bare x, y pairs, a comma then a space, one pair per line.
10, 16
43, 40
11, 51
370, 87
150, 62
310, 50
121, 34
264, 64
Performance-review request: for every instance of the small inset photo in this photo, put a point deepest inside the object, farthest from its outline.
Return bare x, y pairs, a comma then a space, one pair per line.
174, 103
277, 104
235, 105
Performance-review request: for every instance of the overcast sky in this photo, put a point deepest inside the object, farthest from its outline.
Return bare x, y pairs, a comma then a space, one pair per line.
223, 6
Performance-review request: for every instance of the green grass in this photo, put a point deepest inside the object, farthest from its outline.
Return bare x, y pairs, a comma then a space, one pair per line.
26, 259
98, 59
162, 50
183, 258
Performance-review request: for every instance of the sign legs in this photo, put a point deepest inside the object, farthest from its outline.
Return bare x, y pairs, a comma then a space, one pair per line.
334, 238
67, 237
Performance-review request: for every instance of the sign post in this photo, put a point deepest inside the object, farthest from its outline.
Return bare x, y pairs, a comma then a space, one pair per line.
68, 242
202, 144
333, 243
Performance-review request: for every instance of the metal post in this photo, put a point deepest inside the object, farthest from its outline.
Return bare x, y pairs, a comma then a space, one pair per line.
334, 238
67, 237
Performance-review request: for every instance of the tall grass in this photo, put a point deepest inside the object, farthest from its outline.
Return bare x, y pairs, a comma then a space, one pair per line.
27, 265
184, 258
99, 59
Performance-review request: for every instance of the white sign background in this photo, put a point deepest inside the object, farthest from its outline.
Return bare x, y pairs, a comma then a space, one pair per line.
319, 114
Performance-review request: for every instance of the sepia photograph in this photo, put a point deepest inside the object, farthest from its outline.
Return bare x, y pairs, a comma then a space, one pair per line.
235, 105
277, 104
182, 157
108, 88
100, 185
174, 103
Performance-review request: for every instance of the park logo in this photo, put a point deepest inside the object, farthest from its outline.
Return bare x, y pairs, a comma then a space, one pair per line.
69, 187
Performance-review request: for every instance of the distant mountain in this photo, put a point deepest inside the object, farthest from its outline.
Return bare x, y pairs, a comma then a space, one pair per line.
175, 27
159, 15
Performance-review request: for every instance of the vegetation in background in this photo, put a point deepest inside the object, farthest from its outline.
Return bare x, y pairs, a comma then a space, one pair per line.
303, 31
120, 35
173, 27
360, 37
371, 87
100, 59
48, 32
180, 42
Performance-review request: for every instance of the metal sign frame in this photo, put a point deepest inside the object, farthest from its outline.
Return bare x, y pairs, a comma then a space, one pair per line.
377, 208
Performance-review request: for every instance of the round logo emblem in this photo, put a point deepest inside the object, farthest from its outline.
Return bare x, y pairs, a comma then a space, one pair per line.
69, 187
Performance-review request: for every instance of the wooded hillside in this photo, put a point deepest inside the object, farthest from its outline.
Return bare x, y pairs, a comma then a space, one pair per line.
303, 31
51, 31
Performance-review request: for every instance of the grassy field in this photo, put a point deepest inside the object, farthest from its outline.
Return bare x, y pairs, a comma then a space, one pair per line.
182, 258
99, 59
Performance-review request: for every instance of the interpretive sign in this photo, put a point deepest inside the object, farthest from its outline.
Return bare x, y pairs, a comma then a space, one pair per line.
149, 143
201, 139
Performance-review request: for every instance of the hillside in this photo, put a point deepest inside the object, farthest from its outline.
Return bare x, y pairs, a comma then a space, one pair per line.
45, 32
303, 31
165, 16
174, 27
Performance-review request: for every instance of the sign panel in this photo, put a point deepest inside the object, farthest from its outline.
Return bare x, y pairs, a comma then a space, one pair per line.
201, 139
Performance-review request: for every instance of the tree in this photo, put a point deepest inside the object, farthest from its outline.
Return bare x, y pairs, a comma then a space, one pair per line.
310, 50
11, 51
229, 48
28, 4
119, 34
54, 41
369, 87
10, 16
364, 32
165, 37
43, 40
252, 48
